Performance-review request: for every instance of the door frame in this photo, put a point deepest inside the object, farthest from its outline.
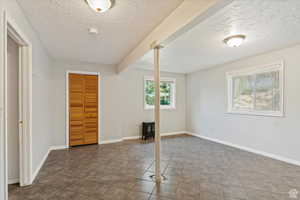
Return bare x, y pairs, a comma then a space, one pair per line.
25, 101
67, 101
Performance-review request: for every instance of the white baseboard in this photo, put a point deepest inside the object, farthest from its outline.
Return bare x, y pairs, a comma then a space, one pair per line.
44, 159
58, 147
101, 142
138, 137
35, 173
273, 156
174, 133
131, 138
13, 180
110, 141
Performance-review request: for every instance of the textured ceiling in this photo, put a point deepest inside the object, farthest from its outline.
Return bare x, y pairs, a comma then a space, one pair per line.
63, 27
268, 25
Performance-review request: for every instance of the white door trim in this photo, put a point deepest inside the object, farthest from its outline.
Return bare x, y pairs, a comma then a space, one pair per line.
67, 101
25, 66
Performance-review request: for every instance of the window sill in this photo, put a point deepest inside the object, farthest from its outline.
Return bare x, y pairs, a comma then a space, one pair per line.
162, 108
256, 113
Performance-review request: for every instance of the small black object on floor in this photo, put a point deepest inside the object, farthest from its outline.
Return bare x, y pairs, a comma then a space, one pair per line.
148, 130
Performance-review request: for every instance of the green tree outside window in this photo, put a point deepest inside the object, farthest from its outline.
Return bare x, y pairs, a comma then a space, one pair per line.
165, 93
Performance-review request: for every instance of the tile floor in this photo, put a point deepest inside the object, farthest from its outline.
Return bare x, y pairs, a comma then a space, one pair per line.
195, 169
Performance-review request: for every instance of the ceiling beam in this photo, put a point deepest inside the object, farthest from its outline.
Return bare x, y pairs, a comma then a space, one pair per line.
187, 14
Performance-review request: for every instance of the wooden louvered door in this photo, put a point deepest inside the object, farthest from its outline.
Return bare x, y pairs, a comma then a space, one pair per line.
83, 109
91, 109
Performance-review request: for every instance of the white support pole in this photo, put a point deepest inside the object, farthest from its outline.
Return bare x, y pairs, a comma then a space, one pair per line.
157, 112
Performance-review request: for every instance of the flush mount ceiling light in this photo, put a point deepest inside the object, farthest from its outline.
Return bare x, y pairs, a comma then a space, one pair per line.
235, 40
100, 5
93, 31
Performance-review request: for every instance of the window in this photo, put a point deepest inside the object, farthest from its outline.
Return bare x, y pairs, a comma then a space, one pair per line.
167, 93
256, 91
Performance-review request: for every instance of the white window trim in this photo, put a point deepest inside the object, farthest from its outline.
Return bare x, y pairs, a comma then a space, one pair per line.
277, 66
173, 106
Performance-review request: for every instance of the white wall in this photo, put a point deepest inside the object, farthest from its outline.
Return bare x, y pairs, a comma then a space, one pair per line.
207, 103
133, 113
42, 107
121, 102
13, 111
2, 138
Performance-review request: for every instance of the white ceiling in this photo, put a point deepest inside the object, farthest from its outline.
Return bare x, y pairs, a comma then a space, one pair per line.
63, 27
268, 25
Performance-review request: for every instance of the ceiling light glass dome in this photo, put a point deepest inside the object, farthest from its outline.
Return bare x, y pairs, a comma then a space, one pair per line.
235, 40
100, 5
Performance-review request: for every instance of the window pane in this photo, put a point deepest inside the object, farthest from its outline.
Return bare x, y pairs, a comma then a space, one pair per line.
267, 92
243, 93
149, 93
256, 91
165, 93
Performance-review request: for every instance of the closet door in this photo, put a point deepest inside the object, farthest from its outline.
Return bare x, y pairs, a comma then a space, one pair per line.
91, 109
83, 109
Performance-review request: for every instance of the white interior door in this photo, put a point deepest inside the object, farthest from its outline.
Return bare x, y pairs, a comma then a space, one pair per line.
20, 122
13, 105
